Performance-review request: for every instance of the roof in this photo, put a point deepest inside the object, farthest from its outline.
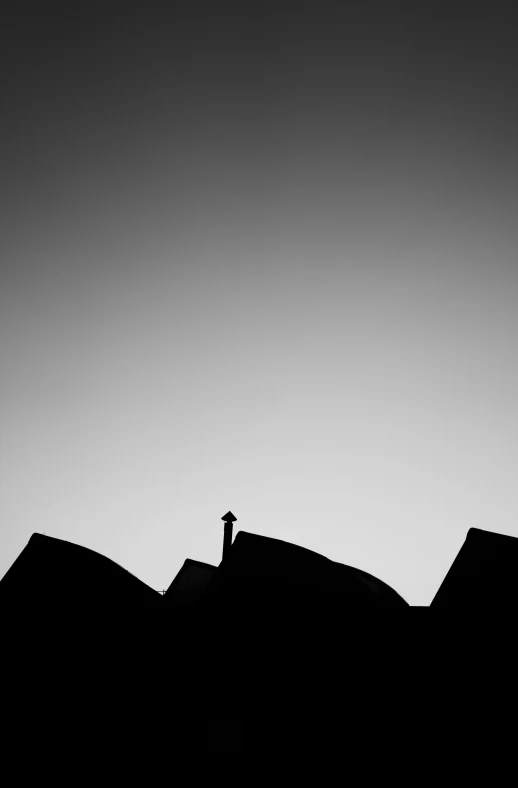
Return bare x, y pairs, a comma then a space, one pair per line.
484, 573
190, 583
267, 573
54, 574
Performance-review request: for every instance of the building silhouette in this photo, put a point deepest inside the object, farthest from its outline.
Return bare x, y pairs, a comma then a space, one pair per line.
275, 650
483, 576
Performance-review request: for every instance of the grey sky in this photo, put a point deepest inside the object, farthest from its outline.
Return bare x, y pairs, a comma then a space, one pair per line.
263, 261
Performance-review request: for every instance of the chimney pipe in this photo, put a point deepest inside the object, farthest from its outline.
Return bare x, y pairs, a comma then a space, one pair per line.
227, 533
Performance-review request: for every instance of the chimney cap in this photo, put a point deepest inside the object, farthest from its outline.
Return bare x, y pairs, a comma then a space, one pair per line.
229, 517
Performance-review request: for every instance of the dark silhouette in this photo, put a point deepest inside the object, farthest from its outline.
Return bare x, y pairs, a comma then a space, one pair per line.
276, 650
227, 534
189, 584
483, 575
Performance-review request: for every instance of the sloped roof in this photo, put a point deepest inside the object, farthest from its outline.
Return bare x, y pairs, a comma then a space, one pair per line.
262, 567
190, 583
54, 574
484, 573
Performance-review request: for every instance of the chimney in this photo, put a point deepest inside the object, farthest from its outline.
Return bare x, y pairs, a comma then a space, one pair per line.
227, 533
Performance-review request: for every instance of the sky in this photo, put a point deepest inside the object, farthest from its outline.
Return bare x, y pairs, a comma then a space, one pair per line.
259, 257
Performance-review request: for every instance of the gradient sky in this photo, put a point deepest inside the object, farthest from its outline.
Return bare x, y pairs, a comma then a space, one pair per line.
261, 258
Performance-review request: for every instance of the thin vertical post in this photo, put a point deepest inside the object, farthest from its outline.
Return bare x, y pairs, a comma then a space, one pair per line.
227, 533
